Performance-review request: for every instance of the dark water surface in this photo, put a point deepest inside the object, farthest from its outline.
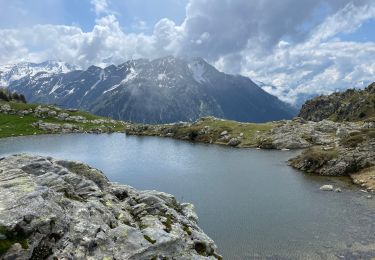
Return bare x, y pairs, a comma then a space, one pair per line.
249, 201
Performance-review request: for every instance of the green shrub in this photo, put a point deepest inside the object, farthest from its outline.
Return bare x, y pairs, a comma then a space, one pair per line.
312, 159
352, 140
193, 134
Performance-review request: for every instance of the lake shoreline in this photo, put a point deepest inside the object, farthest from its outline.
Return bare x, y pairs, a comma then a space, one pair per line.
328, 148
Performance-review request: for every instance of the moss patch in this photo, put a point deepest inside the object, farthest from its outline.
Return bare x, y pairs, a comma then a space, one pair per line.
187, 230
149, 239
11, 238
168, 224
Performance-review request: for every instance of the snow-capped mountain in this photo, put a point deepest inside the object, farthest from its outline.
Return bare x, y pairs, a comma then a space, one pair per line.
159, 91
13, 72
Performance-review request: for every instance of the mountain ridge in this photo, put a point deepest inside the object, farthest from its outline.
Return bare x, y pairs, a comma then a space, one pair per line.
162, 90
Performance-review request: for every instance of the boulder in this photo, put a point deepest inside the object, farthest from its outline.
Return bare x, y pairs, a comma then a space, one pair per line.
224, 133
79, 119
342, 132
62, 116
54, 209
5, 109
234, 142
52, 113
49, 127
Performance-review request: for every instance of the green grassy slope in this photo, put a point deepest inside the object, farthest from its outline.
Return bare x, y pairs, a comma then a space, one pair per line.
18, 125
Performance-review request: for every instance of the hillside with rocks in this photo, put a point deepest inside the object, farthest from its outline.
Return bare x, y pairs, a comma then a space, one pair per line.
59, 209
19, 119
351, 105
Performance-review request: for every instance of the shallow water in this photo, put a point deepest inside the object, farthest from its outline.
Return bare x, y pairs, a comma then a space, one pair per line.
249, 201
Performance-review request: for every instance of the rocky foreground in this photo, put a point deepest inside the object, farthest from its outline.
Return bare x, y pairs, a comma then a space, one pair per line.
59, 209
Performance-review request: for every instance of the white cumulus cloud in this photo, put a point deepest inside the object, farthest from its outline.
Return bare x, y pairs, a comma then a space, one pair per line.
287, 44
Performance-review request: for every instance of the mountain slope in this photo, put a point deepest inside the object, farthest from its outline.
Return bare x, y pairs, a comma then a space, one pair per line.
13, 72
160, 91
351, 105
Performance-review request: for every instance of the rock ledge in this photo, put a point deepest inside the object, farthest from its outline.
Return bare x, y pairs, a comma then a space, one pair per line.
58, 209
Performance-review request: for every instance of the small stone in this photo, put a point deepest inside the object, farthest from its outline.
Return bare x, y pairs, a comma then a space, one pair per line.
234, 142
338, 190
224, 133
327, 188
369, 197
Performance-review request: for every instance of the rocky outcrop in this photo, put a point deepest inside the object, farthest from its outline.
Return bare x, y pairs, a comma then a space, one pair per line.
351, 105
67, 210
55, 113
53, 120
65, 128
344, 157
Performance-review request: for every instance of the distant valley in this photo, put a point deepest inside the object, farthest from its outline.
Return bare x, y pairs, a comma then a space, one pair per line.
164, 90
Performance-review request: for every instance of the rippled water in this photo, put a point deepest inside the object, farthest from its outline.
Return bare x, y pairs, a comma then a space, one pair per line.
249, 201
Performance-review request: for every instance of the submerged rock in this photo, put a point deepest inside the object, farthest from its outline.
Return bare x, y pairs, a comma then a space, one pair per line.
63, 210
327, 188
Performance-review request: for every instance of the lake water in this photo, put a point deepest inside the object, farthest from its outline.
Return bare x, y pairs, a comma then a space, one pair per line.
249, 201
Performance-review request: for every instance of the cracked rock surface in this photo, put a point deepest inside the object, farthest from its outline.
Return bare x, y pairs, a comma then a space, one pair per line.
58, 209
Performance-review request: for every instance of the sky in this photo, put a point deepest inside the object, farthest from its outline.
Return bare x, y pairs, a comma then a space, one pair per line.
298, 48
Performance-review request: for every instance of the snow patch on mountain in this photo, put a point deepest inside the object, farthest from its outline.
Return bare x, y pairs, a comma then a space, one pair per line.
130, 76
55, 87
198, 70
101, 78
70, 92
162, 76
13, 72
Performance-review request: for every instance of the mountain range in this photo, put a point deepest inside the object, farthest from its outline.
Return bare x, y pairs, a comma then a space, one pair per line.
13, 72
163, 90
